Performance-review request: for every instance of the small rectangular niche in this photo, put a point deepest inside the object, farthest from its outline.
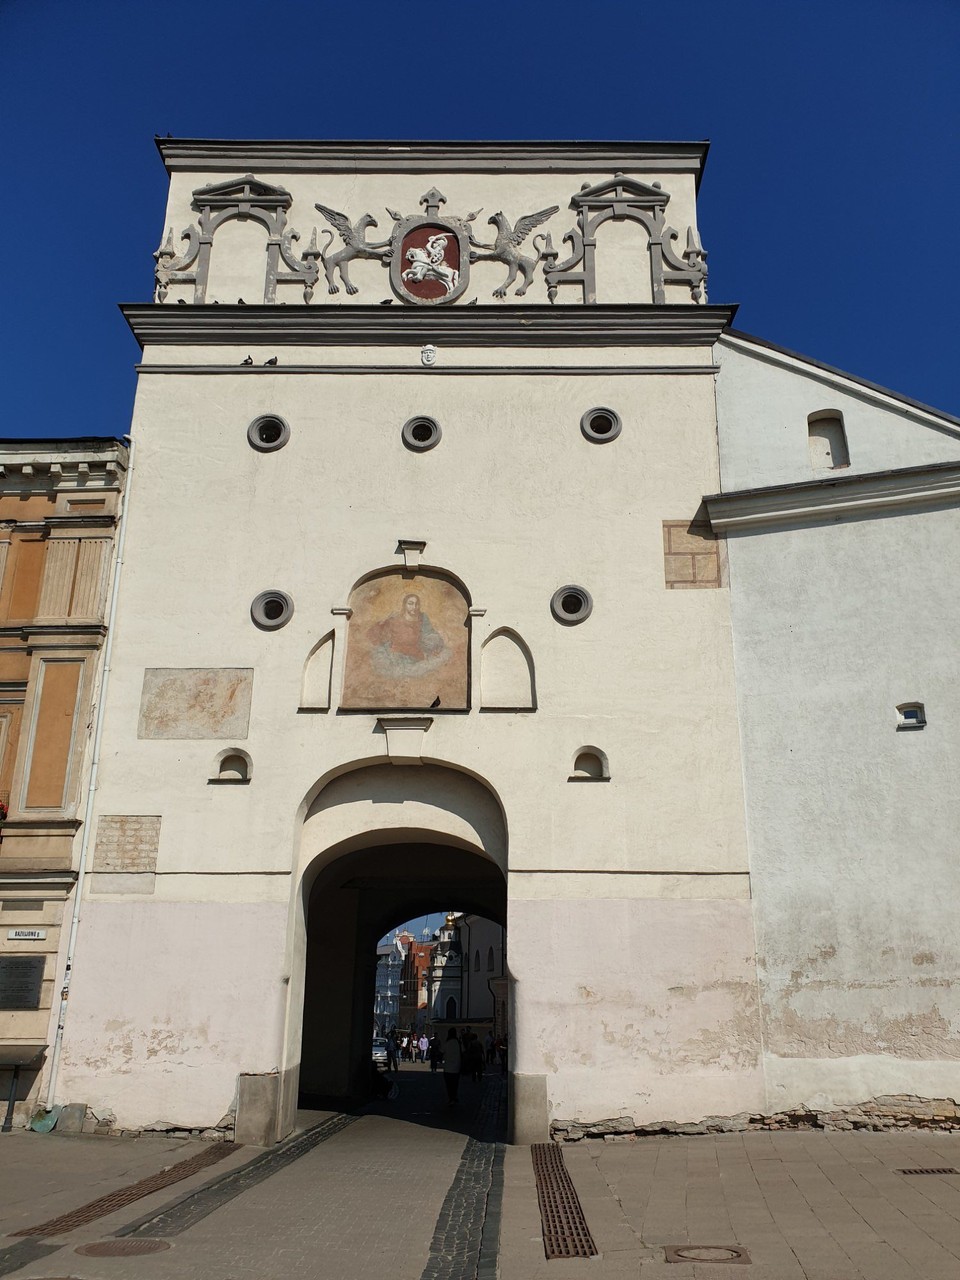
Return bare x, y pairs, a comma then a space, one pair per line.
828, 440
911, 715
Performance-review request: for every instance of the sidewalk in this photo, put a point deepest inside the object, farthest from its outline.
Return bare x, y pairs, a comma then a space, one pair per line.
411, 1191
806, 1205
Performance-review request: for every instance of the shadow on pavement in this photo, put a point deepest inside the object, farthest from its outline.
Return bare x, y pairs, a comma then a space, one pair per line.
422, 1100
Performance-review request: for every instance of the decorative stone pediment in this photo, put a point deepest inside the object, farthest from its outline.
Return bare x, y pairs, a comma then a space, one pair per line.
621, 190
247, 190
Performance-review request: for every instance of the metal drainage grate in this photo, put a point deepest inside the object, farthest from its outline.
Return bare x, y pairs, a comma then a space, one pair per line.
121, 1248
705, 1253
126, 1195
928, 1170
565, 1230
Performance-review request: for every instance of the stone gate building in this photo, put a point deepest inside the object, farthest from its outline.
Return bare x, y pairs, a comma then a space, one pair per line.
473, 558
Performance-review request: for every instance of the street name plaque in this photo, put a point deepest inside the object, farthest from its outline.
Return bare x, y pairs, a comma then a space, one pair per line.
21, 978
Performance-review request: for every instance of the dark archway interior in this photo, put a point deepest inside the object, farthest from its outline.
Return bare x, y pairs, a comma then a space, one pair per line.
352, 904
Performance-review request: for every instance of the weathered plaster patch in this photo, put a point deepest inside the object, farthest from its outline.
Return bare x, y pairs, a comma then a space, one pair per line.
924, 1034
195, 702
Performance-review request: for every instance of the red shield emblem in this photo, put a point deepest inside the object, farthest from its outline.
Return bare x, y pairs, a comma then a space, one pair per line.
430, 262
430, 255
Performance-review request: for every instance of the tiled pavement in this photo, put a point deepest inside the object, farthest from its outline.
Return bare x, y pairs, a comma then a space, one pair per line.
805, 1205
364, 1203
384, 1198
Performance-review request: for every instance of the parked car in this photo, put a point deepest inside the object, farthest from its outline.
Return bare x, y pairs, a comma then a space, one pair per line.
379, 1050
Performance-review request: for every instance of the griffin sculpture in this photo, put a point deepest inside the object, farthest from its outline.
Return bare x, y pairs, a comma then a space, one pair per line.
357, 246
506, 248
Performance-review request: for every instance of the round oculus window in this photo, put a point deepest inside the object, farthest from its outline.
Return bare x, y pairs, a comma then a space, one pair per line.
570, 605
268, 432
421, 434
271, 610
600, 425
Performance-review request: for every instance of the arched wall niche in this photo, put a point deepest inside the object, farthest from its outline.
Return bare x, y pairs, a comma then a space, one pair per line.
317, 673
590, 764
507, 674
232, 765
408, 642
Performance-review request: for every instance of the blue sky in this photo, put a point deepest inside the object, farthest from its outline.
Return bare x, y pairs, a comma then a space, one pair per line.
829, 206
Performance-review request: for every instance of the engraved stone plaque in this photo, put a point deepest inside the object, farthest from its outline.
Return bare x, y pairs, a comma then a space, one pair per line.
20, 980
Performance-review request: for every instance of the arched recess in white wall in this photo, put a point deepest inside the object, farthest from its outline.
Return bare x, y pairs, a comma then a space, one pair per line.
590, 765
233, 765
315, 690
507, 677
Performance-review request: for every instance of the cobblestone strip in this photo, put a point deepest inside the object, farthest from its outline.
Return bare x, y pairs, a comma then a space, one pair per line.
466, 1239
114, 1200
192, 1208
18, 1255
488, 1262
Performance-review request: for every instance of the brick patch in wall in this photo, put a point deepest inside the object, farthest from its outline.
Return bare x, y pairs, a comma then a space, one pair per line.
691, 555
126, 843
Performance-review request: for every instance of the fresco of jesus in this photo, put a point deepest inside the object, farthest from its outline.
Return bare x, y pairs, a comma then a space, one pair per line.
405, 644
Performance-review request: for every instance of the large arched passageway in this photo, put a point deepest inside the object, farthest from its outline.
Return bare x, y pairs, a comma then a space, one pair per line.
380, 843
352, 903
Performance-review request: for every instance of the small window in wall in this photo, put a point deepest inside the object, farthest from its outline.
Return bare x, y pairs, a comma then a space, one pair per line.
489, 959
476, 961
451, 1009
828, 440
911, 715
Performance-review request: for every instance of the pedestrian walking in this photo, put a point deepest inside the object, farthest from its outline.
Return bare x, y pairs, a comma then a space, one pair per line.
423, 1044
489, 1049
392, 1053
473, 1058
435, 1053
452, 1063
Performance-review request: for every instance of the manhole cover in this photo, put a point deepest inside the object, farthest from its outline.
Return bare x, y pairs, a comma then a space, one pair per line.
121, 1248
705, 1253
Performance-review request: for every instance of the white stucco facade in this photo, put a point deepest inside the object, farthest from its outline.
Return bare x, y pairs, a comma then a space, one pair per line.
619, 791
843, 612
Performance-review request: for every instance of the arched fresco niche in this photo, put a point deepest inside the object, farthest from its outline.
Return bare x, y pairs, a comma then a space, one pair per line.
407, 644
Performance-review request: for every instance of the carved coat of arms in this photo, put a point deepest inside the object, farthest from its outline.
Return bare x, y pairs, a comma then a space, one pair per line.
429, 253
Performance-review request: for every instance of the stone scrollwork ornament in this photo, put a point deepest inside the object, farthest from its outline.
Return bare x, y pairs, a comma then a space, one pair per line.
624, 198
172, 268
240, 198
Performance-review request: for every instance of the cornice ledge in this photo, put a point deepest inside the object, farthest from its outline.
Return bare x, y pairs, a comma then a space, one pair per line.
369, 156
648, 325
32, 877
816, 500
